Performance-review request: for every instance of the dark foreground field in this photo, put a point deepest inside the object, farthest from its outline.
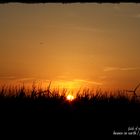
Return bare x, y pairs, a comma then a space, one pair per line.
48, 115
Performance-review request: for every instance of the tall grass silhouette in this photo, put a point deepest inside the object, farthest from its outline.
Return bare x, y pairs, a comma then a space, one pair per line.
50, 97
91, 111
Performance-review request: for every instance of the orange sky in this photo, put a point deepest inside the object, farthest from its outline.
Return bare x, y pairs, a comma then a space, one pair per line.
72, 45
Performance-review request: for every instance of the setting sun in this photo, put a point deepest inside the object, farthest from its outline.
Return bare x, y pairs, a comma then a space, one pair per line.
70, 97
69, 67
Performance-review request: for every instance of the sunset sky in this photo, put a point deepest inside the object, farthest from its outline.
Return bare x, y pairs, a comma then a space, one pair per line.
72, 45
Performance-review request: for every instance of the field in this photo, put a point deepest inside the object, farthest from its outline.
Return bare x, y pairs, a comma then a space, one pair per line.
48, 113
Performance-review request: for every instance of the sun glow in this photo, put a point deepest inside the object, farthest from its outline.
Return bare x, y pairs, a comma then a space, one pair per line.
70, 97
69, 85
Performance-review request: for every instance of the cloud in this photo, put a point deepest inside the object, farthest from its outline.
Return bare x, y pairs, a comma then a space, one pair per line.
88, 82
84, 28
91, 29
137, 16
103, 77
116, 7
8, 77
61, 77
26, 79
121, 69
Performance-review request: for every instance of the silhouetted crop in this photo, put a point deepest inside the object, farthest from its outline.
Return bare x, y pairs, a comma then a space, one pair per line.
53, 99
89, 112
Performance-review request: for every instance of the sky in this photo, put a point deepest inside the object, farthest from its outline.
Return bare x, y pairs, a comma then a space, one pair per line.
73, 45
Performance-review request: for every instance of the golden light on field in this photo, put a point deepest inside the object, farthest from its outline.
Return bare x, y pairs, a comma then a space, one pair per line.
70, 97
